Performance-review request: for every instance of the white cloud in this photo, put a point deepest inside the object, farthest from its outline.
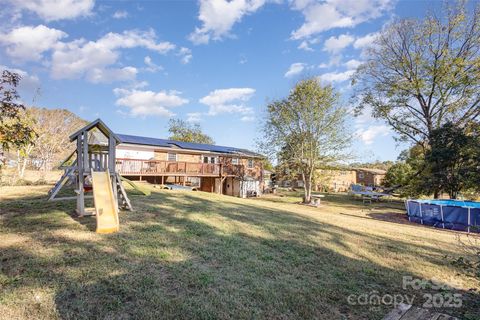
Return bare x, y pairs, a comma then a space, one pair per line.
219, 16
29, 43
52, 10
365, 41
137, 84
185, 54
149, 103
322, 16
332, 77
80, 58
337, 44
370, 133
247, 118
352, 64
97, 61
364, 118
306, 44
28, 82
228, 101
151, 66
120, 14
108, 75
295, 69
194, 117
135, 38
368, 128
335, 60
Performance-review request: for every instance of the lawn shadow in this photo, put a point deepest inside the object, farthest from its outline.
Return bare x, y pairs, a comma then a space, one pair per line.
382, 216
285, 224
185, 256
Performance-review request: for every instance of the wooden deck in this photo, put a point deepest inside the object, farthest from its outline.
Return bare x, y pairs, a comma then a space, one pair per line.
132, 167
408, 312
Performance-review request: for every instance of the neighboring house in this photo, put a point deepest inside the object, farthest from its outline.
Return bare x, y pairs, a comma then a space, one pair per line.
291, 183
370, 177
339, 179
331, 179
335, 179
210, 168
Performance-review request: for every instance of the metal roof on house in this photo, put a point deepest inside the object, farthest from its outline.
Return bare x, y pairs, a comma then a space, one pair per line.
165, 143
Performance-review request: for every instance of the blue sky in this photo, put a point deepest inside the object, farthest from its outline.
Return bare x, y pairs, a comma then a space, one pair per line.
136, 64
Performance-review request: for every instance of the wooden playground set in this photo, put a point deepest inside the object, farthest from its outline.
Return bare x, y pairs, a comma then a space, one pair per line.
91, 168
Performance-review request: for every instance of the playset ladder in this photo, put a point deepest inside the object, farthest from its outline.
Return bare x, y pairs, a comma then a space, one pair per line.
122, 194
58, 186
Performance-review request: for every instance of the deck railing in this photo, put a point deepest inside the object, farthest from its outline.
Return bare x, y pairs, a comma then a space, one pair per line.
163, 167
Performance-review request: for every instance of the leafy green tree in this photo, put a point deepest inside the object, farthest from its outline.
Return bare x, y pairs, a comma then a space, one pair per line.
182, 131
420, 74
399, 176
454, 158
13, 131
306, 130
267, 165
450, 164
418, 181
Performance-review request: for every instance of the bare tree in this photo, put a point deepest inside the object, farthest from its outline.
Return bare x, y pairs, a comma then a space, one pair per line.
52, 144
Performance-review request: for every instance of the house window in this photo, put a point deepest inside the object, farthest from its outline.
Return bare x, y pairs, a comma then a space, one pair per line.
172, 157
250, 163
209, 159
360, 175
234, 160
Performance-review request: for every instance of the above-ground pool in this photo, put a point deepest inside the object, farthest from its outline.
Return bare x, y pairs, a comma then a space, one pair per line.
447, 214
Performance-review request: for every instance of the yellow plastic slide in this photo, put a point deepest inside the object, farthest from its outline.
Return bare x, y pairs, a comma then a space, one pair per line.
107, 211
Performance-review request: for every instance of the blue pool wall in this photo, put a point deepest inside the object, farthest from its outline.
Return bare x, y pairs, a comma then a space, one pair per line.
446, 214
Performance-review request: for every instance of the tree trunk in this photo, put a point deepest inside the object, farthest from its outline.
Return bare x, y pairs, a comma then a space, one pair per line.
307, 183
19, 158
453, 194
436, 194
44, 164
24, 166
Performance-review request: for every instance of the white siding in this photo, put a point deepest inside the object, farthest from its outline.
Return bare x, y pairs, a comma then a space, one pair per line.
132, 152
247, 186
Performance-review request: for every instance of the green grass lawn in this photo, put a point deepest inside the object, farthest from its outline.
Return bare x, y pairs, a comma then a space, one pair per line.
199, 255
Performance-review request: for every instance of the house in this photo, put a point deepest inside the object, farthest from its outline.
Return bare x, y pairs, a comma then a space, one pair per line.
335, 179
370, 177
210, 168
339, 179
